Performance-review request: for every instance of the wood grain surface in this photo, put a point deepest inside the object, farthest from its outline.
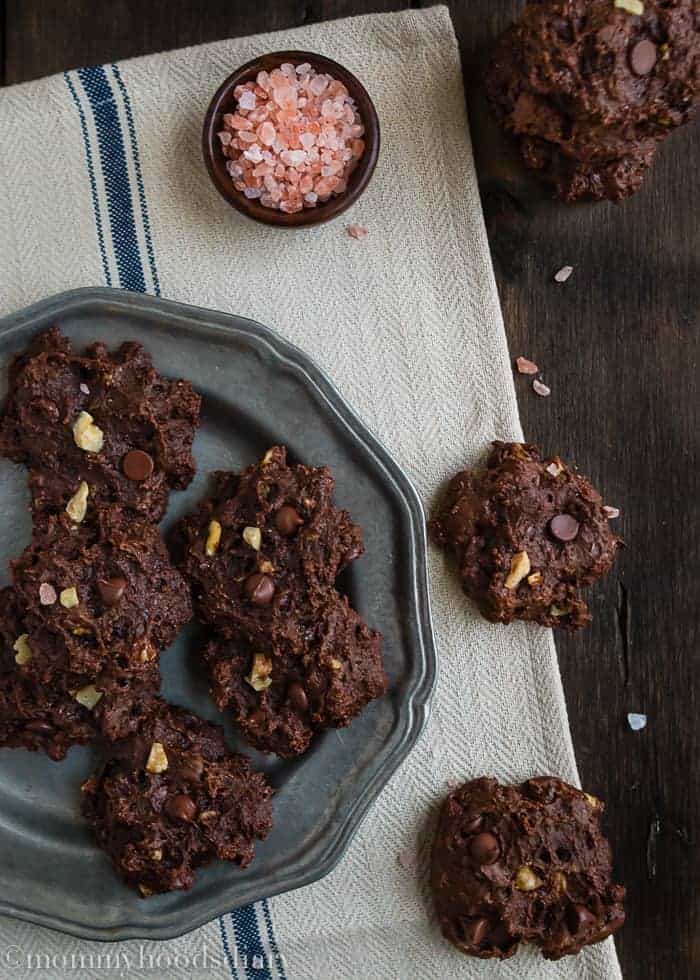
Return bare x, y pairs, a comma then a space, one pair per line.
619, 345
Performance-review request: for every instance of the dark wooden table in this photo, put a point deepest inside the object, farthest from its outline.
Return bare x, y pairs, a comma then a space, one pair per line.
620, 346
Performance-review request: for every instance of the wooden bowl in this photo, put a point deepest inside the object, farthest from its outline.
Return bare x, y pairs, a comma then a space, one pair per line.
215, 160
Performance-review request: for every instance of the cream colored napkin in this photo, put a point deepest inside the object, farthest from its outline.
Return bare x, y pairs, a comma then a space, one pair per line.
407, 323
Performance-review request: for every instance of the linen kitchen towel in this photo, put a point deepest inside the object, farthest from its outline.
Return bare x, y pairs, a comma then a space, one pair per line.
103, 183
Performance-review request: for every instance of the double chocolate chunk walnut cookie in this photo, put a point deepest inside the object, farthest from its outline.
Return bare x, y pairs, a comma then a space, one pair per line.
591, 87
171, 798
525, 863
91, 607
527, 534
98, 428
287, 654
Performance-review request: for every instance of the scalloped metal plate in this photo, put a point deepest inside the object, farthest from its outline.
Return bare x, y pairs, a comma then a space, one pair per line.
258, 390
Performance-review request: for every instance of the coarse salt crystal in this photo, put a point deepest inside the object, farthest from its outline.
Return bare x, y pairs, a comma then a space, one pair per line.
541, 389
564, 273
611, 512
84, 388
254, 154
525, 367
636, 721
247, 100
357, 231
47, 594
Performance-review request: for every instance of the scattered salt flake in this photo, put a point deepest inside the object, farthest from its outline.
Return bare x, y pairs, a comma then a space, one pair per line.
541, 389
47, 594
636, 722
525, 367
84, 388
611, 512
563, 274
358, 231
554, 469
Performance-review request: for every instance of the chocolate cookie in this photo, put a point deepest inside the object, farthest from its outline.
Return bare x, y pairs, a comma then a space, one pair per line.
51, 710
98, 598
281, 698
39, 717
261, 550
174, 797
527, 533
525, 863
590, 88
98, 427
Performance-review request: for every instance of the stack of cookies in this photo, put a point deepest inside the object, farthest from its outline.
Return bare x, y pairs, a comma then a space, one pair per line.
95, 599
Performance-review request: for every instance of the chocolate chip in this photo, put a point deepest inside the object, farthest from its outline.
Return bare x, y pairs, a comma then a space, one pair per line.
484, 848
643, 57
111, 589
191, 770
297, 697
564, 527
259, 589
579, 919
475, 931
287, 520
181, 807
137, 465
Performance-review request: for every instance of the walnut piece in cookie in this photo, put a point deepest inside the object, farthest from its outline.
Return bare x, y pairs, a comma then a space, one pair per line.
172, 798
280, 699
528, 533
526, 863
264, 545
98, 427
590, 88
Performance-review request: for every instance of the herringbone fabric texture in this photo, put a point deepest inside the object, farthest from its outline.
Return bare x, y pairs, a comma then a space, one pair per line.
407, 323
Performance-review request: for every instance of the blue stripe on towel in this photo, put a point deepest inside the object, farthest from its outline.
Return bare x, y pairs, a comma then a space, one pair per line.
130, 263
249, 943
139, 177
279, 962
227, 950
91, 174
116, 178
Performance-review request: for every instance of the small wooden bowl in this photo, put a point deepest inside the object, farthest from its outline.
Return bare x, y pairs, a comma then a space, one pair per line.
215, 160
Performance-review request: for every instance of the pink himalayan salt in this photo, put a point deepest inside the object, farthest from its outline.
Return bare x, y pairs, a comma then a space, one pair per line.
357, 231
294, 140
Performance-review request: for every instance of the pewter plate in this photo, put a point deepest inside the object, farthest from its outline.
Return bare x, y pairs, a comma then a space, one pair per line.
257, 390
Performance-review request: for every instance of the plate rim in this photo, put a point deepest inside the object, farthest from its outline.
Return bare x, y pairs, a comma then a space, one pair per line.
335, 841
